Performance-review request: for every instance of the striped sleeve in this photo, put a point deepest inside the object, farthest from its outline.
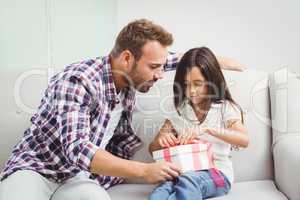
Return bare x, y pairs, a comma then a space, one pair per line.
172, 60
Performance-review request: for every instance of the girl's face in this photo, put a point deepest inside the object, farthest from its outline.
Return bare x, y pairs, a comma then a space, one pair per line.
195, 86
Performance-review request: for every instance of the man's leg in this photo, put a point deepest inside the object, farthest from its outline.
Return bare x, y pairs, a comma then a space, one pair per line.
27, 185
80, 188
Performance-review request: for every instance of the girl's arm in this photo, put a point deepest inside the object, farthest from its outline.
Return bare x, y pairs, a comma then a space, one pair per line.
234, 134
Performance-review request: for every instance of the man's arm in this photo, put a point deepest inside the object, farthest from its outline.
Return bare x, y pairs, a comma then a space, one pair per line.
74, 130
230, 64
104, 163
225, 63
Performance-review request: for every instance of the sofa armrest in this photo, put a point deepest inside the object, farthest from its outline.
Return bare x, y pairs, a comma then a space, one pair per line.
286, 153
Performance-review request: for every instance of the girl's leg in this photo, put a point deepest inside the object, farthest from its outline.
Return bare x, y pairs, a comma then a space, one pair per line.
186, 188
208, 186
196, 186
162, 192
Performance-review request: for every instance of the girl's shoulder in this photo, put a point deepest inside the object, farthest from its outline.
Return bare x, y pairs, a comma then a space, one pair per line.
229, 109
225, 105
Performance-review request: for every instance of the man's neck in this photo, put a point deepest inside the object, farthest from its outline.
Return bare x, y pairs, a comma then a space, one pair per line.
118, 74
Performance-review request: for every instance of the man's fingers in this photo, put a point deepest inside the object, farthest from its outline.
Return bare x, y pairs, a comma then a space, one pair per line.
167, 176
174, 167
172, 173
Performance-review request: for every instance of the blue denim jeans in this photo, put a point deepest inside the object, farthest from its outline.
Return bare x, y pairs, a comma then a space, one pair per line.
193, 185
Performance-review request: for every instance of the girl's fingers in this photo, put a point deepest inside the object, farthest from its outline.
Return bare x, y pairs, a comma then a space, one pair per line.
179, 139
169, 140
186, 140
183, 140
163, 142
160, 142
174, 139
205, 130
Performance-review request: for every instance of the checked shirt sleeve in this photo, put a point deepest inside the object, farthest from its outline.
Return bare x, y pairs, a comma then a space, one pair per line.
172, 60
72, 105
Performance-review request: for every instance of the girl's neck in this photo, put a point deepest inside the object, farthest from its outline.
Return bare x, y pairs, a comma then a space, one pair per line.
201, 110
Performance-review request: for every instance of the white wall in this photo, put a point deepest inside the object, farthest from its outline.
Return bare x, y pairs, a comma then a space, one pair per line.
43, 34
263, 34
260, 34
37, 35
53, 33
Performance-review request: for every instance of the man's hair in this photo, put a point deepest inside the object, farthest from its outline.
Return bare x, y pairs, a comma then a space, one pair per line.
135, 35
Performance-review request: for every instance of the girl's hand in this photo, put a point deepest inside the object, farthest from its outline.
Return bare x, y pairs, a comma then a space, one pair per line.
187, 135
191, 134
166, 139
236, 135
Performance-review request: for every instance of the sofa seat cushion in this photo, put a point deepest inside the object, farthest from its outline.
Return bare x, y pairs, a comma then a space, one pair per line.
249, 190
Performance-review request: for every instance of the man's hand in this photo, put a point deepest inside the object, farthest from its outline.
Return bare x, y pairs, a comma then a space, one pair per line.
226, 63
160, 172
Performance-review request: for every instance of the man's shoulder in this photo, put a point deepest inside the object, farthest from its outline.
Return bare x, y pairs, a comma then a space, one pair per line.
88, 72
88, 67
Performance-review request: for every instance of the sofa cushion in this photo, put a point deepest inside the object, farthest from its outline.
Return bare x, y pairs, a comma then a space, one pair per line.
285, 98
249, 89
265, 190
20, 96
287, 165
154, 105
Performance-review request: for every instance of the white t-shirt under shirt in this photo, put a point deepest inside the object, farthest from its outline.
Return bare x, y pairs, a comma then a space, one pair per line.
217, 117
115, 117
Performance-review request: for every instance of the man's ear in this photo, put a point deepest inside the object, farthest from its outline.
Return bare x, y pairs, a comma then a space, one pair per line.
127, 59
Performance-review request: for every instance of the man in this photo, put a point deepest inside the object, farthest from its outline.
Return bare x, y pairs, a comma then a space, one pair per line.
80, 141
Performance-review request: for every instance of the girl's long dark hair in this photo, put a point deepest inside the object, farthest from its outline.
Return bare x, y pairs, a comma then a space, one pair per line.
205, 60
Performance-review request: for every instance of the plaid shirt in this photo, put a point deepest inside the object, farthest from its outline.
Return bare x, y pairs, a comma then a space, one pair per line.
70, 122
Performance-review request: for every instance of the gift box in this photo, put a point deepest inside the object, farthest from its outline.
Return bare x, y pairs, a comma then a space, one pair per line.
196, 155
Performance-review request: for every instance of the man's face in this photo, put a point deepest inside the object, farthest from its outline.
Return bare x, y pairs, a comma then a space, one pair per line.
149, 68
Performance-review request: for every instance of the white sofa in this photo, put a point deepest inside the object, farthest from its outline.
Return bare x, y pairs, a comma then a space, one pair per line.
266, 170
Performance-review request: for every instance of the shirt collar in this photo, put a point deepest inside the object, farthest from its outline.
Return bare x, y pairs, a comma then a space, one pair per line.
110, 87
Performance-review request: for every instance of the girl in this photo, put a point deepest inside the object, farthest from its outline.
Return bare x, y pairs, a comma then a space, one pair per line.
205, 110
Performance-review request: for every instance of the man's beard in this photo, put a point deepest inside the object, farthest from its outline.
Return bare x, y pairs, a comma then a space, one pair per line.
137, 82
